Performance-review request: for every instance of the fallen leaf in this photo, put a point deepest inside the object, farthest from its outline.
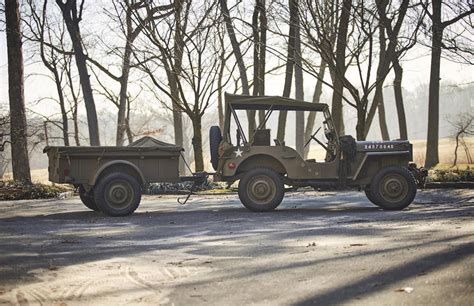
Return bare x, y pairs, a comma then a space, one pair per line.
405, 289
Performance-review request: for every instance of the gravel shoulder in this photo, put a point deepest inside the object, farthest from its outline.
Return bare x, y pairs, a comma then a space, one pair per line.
317, 248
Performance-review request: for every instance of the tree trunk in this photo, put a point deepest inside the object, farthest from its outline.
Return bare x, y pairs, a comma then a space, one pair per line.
318, 90
432, 157
76, 125
299, 88
173, 79
340, 65
220, 103
62, 106
16, 92
260, 40
360, 126
290, 63
397, 88
72, 25
122, 107
197, 144
240, 62
381, 73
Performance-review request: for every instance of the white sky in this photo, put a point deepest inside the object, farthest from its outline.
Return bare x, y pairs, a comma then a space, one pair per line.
416, 66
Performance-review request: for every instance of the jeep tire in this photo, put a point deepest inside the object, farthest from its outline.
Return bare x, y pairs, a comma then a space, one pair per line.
215, 138
87, 198
261, 190
117, 194
393, 188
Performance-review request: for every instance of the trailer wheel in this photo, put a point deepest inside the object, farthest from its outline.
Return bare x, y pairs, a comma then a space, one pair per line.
393, 188
261, 189
87, 198
117, 194
215, 138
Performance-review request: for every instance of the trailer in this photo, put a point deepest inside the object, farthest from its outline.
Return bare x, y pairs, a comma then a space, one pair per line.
110, 179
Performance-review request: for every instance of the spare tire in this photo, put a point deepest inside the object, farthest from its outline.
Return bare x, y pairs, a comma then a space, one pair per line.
215, 138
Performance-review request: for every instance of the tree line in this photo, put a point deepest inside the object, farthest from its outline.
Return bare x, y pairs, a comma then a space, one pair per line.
186, 53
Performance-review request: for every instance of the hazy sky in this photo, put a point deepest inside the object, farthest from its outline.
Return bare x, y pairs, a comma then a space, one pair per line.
416, 66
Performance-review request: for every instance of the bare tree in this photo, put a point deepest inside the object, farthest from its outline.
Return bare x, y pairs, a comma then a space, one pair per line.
72, 15
328, 17
464, 126
440, 39
18, 129
123, 13
259, 31
240, 61
289, 67
50, 40
190, 65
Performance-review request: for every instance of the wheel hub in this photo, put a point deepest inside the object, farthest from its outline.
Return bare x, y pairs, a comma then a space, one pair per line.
261, 189
119, 194
394, 188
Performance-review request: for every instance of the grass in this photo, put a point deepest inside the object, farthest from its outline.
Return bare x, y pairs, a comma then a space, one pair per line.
11, 190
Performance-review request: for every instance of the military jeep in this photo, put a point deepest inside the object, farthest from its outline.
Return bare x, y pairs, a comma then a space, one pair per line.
381, 168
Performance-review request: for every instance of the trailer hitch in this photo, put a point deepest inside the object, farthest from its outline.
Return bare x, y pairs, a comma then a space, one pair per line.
198, 179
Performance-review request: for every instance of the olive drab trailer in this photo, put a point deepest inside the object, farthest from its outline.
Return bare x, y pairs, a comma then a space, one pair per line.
382, 169
110, 179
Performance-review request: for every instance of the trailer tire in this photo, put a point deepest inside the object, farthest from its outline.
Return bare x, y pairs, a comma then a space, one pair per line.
87, 198
393, 188
215, 138
117, 194
261, 189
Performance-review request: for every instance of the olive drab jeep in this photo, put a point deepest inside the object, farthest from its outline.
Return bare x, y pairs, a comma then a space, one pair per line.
381, 168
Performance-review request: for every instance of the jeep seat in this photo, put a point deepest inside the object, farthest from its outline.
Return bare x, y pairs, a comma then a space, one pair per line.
262, 137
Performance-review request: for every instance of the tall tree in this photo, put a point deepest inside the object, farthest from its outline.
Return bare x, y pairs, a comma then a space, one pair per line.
123, 12
340, 64
240, 61
259, 31
16, 92
72, 15
299, 86
50, 39
437, 43
289, 68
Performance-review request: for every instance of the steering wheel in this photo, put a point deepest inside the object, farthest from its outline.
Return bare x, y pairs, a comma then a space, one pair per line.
312, 137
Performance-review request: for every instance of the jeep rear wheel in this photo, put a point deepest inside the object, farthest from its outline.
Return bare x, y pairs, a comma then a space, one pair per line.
87, 198
261, 189
393, 188
117, 194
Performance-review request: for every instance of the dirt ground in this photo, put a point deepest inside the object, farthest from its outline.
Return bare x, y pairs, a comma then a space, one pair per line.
318, 248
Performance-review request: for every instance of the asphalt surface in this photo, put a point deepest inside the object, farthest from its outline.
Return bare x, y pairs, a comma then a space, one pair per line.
318, 248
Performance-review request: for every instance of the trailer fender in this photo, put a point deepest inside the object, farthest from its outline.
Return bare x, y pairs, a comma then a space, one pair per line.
119, 166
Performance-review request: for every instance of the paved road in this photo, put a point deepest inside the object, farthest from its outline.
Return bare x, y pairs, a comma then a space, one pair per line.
317, 248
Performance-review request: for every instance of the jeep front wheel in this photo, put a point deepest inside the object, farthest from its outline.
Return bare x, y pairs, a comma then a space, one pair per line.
393, 188
261, 190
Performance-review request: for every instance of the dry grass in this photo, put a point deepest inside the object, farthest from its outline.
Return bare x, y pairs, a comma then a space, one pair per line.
37, 176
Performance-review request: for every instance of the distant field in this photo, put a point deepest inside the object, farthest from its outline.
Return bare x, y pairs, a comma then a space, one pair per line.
446, 154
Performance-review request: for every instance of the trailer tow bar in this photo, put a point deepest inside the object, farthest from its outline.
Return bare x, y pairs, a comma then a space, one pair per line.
197, 178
